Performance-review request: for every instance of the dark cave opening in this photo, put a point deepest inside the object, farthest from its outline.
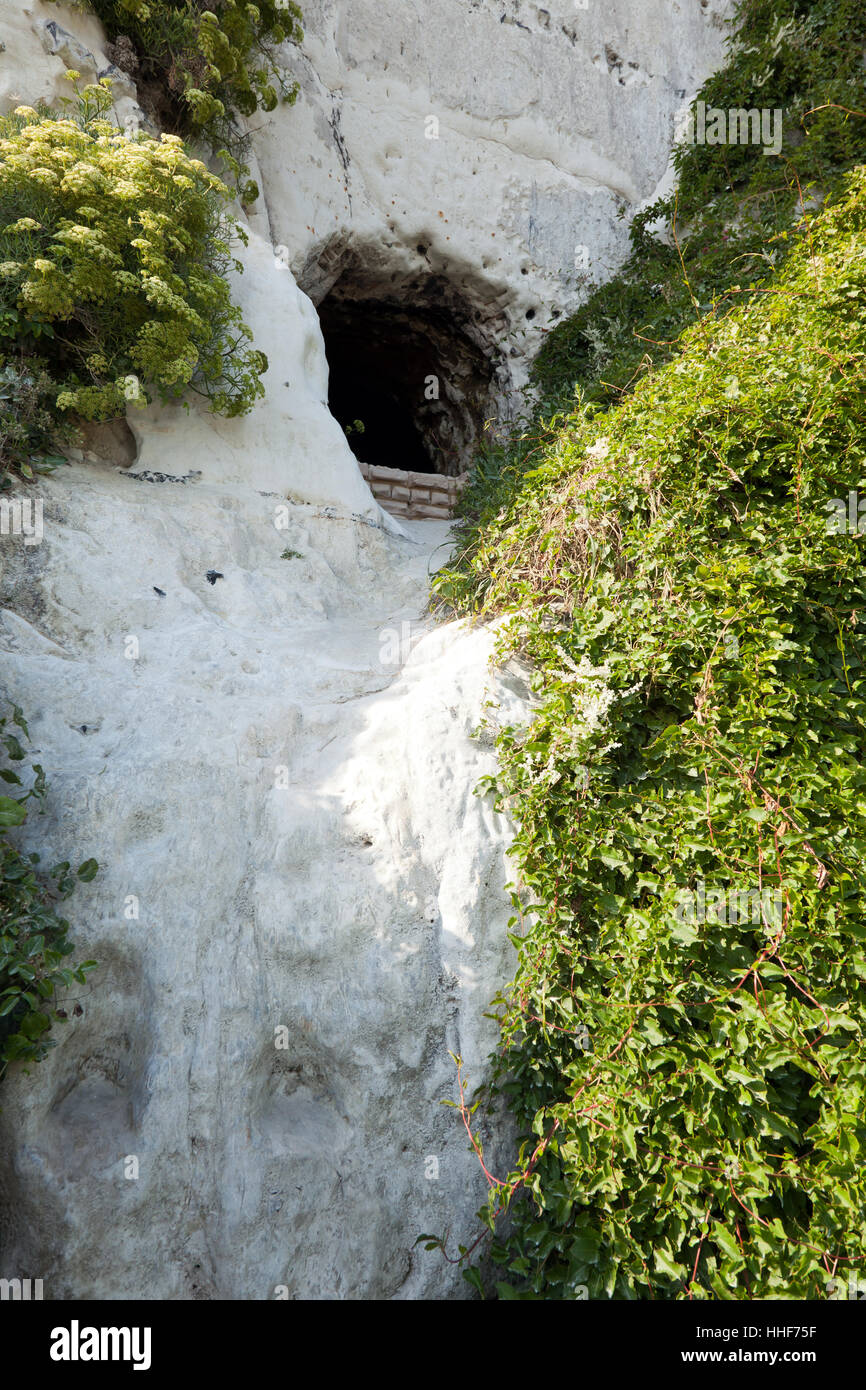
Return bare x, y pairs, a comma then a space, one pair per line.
374, 373
410, 374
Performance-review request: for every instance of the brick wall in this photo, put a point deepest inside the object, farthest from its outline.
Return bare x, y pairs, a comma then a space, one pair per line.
416, 496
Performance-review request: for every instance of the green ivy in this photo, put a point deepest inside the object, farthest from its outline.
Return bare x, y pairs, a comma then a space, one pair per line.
34, 941
733, 206
684, 572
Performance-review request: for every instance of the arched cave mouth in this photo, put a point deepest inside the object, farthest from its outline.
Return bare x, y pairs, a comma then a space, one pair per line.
410, 372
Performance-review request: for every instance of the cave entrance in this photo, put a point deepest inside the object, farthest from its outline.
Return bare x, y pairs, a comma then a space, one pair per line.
378, 368
409, 373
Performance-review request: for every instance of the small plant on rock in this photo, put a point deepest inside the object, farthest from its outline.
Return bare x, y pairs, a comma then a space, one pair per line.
34, 940
199, 65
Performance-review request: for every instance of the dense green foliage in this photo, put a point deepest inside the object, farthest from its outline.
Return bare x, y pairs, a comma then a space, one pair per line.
683, 1044
699, 1085
29, 427
202, 61
732, 204
34, 941
113, 256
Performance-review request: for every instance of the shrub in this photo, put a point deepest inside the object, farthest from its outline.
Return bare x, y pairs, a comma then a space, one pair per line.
201, 62
34, 941
113, 252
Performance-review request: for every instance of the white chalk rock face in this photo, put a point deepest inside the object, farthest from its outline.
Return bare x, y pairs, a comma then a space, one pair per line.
289, 443
485, 148
41, 43
300, 904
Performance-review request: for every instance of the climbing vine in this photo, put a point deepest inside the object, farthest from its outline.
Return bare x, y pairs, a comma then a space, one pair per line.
685, 1034
734, 206
678, 553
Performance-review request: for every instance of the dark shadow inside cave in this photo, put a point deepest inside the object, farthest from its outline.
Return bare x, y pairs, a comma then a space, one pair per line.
411, 375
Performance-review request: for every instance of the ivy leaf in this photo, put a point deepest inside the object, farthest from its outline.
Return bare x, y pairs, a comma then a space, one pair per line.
11, 812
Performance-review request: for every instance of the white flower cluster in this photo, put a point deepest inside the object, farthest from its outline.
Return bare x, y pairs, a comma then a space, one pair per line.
600, 449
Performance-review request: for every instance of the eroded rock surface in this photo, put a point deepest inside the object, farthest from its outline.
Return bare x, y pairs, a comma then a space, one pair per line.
275, 771
485, 146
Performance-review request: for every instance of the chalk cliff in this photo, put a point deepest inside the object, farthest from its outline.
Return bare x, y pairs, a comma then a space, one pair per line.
300, 908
